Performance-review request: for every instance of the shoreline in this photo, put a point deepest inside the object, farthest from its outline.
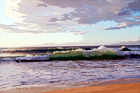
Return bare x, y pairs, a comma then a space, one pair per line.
60, 88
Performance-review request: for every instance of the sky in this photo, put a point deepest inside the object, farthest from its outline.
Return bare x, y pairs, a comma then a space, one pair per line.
68, 22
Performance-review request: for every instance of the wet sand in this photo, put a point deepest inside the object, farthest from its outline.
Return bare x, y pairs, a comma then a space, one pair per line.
117, 86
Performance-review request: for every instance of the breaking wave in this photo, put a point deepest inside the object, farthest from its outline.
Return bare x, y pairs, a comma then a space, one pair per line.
99, 53
96, 53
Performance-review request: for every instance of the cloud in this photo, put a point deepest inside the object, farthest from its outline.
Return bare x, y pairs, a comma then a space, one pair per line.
89, 9
134, 5
135, 41
29, 16
51, 16
78, 32
79, 43
91, 12
9, 29
13, 29
124, 25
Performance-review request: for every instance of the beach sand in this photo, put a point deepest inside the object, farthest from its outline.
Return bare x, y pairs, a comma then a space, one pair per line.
117, 86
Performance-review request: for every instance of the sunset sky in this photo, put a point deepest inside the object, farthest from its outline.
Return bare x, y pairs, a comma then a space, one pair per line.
68, 22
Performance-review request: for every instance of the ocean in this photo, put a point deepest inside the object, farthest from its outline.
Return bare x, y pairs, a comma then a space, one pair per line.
13, 74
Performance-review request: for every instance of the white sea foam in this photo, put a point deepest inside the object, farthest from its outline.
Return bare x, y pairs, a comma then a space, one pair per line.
37, 57
99, 51
17, 74
86, 53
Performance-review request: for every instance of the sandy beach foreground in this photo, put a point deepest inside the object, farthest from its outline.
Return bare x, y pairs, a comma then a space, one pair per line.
117, 86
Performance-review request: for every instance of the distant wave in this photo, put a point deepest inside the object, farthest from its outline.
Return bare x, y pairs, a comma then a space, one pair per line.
99, 53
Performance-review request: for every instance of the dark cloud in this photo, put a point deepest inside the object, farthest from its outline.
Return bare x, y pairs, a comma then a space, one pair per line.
129, 24
66, 17
93, 11
44, 5
134, 5
124, 12
64, 3
53, 19
50, 16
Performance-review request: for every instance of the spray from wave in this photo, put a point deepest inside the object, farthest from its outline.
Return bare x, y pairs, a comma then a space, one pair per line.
99, 53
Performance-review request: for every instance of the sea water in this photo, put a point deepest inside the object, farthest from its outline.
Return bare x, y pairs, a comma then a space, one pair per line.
13, 74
